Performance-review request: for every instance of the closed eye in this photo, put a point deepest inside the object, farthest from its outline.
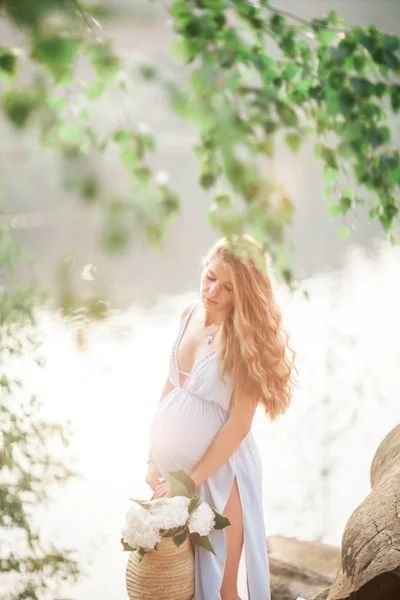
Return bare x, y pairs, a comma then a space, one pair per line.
228, 289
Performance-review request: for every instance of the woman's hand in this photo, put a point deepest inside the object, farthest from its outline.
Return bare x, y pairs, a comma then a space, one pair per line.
153, 475
162, 491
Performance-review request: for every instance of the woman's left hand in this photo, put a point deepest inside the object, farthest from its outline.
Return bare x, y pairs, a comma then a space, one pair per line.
162, 491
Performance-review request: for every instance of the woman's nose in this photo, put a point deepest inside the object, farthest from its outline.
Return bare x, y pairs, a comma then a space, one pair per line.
214, 289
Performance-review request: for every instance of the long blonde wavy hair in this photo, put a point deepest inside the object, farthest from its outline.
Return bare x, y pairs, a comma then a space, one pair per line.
254, 346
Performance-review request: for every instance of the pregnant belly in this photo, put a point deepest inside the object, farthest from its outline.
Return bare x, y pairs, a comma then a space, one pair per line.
182, 428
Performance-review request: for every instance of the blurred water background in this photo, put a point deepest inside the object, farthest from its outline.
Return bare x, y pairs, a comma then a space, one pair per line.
317, 457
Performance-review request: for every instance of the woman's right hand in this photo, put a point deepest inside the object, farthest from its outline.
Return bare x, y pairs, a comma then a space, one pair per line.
153, 475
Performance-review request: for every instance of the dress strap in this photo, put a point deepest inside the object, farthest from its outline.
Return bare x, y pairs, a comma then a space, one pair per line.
191, 309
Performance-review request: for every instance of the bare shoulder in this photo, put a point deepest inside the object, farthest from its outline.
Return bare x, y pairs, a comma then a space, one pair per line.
186, 310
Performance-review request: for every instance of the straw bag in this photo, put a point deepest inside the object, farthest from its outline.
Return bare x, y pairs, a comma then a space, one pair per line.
163, 574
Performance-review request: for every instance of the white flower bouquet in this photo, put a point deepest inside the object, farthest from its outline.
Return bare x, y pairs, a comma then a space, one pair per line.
184, 513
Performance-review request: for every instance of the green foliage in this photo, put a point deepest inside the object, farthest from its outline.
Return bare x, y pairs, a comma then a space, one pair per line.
8, 62
338, 85
180, 483
203, 541
56, 53
27, 469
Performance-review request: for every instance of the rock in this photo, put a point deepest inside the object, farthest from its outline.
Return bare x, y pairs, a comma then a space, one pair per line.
300, 568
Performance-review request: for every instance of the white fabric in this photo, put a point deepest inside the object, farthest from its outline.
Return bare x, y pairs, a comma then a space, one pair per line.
183, 426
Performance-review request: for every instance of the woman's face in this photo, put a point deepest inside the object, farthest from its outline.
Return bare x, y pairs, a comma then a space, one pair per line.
216, 288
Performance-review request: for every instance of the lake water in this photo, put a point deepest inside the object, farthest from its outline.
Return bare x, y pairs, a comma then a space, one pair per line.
316, 458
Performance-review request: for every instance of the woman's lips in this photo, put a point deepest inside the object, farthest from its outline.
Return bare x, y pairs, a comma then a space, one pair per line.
210, 301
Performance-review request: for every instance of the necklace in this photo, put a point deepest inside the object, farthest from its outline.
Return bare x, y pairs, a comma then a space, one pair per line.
212, 336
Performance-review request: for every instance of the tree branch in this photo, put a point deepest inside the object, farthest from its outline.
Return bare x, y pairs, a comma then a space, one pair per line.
293, 17
83, 15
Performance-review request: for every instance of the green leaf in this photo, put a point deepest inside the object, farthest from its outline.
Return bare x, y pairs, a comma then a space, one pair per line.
212, 215
58, 103
180, 483
154, 233
141, 503
346, 101
290, 70
148, 72
143, 174
362, 87
395, 98
293, 141
19, 106
170, 203
8, 62
345, 49
330, 175
207, 179
141, 553
378, 136
183, 51
334, 210
56, 53
130, 157
325, 36
389, 212
83, 114
195, 501
90, 187
373, 212
203, 541
328, 190
220, 520
69, 133
286, 114
95, 90
328, 155
120, 136
381, 89
114, 240
179, 539
344, 233
103, 59
223, 201
126, 546
346, 201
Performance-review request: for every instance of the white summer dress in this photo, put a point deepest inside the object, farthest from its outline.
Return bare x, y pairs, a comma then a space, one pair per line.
182, 428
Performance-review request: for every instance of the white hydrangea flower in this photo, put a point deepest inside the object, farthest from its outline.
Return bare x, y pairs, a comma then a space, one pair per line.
140, 530
202, 519
141, 539
172, 512
143, 524
179, 501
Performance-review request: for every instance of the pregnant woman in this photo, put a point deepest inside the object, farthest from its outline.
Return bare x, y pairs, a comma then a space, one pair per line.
229, 356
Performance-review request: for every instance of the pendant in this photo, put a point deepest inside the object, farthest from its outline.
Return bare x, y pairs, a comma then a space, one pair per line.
210, 339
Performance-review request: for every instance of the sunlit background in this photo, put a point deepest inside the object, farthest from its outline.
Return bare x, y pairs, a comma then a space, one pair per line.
106, 377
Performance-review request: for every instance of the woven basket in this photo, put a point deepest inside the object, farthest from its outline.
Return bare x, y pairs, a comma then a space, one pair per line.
163, 574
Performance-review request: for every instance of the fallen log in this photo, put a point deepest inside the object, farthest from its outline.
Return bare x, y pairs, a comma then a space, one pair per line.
370, 553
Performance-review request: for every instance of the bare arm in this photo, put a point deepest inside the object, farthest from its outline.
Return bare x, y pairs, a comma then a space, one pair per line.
227, 440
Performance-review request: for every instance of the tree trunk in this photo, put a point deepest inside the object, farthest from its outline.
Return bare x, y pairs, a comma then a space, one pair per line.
370, 557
